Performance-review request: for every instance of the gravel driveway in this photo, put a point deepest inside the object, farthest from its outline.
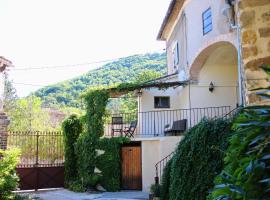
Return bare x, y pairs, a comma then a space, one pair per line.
63, 194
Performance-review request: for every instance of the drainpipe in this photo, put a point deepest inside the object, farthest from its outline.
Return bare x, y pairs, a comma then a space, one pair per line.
240, 63
234, 25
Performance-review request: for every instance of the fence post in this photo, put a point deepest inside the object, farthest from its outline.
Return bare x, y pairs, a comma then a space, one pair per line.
4, 122
36, 164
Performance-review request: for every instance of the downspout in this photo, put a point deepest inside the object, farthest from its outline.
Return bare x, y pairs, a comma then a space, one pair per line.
236, 26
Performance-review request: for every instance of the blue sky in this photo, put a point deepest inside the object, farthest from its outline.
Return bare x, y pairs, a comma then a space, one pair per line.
64, 32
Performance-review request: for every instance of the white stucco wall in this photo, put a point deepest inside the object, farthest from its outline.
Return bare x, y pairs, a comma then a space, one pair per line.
153, 150
221, 69
188, 31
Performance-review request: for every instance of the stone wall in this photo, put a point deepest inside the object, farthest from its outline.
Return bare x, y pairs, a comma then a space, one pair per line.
255, 38
4, 122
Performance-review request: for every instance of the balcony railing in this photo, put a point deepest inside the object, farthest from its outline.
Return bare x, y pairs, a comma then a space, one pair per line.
160, 165
153, 123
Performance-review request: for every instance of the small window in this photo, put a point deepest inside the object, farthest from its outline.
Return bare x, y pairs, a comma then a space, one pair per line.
207, 21
162, 102
176, 55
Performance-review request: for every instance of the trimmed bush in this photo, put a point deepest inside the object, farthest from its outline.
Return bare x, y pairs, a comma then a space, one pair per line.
109, 163
8, 178
198, 159
72, 127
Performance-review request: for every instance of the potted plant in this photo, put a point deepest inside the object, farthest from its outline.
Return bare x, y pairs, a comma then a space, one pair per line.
155, 192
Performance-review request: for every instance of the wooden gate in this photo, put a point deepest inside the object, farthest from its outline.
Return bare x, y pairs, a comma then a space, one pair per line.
131, 167
41, 161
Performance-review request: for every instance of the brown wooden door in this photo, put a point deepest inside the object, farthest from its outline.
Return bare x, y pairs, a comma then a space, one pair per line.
131, 168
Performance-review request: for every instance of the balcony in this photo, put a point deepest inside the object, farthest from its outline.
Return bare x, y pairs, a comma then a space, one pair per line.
159, 123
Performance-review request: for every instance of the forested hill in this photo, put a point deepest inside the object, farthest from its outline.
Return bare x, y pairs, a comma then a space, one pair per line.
123, 70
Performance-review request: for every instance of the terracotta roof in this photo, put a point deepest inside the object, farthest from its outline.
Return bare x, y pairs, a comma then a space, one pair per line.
4, 63
171, 15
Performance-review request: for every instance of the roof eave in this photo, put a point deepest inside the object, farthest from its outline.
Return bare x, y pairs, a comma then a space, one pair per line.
165, 21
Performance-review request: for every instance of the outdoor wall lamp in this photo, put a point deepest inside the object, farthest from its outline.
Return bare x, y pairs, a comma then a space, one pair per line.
139, 93
228, 12
211, 87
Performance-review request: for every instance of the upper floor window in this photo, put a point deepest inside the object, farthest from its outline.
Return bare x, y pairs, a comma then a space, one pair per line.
207, 21
176, 55
162, 102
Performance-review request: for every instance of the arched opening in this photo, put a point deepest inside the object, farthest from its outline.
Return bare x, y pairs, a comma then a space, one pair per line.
218, 65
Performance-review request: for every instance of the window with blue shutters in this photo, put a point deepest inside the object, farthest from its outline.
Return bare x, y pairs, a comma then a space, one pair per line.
207, 21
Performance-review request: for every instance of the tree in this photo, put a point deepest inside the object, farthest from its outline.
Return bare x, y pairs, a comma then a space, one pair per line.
28, 115
10, 94
147, 75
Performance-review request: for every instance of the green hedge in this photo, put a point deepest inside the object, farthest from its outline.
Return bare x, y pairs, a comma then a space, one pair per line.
8, 178
109, 163
198, 159
165, 182
72, 128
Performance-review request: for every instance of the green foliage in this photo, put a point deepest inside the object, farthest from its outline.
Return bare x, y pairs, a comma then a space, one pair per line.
8, 178
147, 75
198, 159
72, 128
165, 183
247, 171
155, 189
246, 174
76, 186
109, 163
96, 101
27, 115
10, 95
67, 93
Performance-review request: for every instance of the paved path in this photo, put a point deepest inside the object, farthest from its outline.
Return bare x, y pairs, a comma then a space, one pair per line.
63, 194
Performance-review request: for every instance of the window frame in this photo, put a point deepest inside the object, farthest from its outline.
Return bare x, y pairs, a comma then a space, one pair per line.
176, 55
204, 26
161, 107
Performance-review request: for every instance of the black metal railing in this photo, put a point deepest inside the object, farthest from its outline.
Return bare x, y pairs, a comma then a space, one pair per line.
38, 148
160, 165
153, 123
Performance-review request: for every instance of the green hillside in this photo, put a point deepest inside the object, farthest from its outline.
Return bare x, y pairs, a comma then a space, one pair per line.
123, 70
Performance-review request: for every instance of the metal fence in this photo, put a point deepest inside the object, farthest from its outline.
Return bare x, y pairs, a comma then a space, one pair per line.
153, 123
38, 149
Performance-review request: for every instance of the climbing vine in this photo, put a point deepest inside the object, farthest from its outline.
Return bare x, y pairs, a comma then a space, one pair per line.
89, 141
96, 101
72, 127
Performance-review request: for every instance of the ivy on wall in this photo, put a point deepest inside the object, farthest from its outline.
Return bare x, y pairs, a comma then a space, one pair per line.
96, 101
198, 159
110, 162
82, 158
72, 128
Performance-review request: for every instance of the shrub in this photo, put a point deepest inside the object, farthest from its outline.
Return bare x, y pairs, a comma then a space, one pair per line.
72, 127
165, 181
198, 159
247, 171
109, 163
8, 178
155, 190
96, 101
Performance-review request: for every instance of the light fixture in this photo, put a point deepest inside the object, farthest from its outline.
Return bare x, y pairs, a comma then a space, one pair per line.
139, 93
211, 87
228, 12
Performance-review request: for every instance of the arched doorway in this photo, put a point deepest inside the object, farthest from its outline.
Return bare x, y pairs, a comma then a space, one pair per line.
217, 64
